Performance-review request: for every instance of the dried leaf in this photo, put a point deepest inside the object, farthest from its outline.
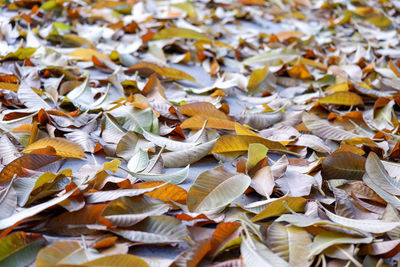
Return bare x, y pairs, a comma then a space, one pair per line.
63, 147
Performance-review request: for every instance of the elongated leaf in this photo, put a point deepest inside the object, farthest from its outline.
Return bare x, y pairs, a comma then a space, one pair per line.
63, 147
27, 161
205, 109
277, 207
147, 68
302, 220
171, 177
20, 248
216, 188
181, 33
343, 98
86, 54
259, 121
196, 122
165, 192
188, 156
156, 230
324, 129
103, 196
26, 213
65, 253
371, 226
239, 143
74, 223
169, 144
327, 239
129, 211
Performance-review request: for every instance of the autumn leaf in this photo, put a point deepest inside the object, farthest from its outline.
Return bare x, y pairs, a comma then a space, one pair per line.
28, 161
343, 98
86, 54
181, 33
63, 147
147, 68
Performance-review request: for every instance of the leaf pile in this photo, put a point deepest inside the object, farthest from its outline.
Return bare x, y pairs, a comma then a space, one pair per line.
211, 133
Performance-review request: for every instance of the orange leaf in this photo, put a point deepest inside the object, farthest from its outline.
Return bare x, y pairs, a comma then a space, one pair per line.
202, 108
27, 161
106, 242
63, 147
284, 36
300, 72
197, 122
222, 232
165, 193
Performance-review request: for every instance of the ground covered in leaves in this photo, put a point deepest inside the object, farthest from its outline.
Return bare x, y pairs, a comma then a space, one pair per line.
212, 133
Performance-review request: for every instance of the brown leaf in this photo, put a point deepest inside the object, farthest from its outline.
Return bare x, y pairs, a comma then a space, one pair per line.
28, 161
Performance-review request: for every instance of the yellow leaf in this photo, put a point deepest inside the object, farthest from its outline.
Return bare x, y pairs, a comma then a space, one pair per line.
242, 130
147, 69
238, 143
112, 165
86, 54
343, 98
313, 63
340, 87
379, 21
180, 33
256, 153
9, 86
277, 207
257, 77
63, 147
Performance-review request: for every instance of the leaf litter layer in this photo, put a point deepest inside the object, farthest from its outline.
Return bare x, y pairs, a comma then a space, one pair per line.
211, 133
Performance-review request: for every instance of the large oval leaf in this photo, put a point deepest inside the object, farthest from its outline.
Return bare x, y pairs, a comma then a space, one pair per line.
324, 129
156, 230
216, 188
240, 143
343, 165
343, 98
63, 147
20, 248
171, 177
27, 161
289, 242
